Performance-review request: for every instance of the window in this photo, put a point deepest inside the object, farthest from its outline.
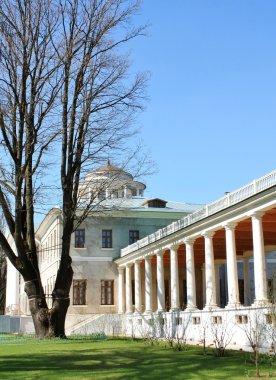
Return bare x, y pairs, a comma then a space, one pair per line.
178, 320
79, 292
107, 292
241, 290
55, 243
133, 236
133, 291
196, 321
101, 195
106, 238
167, 295
217, 320
270, 319
270, 290
184, 294
79, 238
241, 319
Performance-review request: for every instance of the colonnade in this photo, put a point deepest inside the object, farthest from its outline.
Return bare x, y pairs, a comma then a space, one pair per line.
210, 276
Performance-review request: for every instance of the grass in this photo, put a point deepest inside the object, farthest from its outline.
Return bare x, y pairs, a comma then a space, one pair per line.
83, 359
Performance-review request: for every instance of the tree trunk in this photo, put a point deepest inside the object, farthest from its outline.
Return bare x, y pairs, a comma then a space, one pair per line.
3, 273
257, 362
50, 322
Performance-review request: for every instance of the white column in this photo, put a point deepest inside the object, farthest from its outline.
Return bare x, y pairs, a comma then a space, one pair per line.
203, 284
137, 275
246, 281
175, 303
190, 275
128, 289
12, 290
121, 295
210, 278
232, 269
259, 259
217, 266
148, 284
160, 282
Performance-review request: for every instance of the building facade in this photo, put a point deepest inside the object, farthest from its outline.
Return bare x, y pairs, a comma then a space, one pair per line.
120, 216
194, 268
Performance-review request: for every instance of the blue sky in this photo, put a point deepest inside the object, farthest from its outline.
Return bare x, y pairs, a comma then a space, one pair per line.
210, 124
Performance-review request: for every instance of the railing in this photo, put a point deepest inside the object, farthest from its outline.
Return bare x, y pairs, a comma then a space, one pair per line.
229, 199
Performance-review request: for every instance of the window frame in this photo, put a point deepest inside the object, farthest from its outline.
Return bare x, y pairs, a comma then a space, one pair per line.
133, 237
104, 288
80, 284
78, 240
107, 241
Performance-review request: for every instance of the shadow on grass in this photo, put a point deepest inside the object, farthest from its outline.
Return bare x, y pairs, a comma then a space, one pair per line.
115, 360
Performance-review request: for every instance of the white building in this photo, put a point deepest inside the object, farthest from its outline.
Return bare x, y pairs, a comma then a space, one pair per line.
122, 216
189, 265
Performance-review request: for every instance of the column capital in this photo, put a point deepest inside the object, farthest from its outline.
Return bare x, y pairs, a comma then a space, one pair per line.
256, 214
173, 247
128, 265
148, 257
160, 252
189, 240
230, 226
247, 254
137, 261
208, 234
121, 268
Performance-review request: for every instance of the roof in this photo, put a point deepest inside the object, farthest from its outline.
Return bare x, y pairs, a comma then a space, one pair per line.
140, 204
108, 168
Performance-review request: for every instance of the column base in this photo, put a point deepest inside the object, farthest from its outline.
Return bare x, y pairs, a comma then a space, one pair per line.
174, 309
235, 305
210, 307
261, 303
160, 310
149, 311
190, 308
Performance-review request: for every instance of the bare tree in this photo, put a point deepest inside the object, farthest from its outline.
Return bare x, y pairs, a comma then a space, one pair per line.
222, 332
254, 329
3, 274
204, 322
63, 85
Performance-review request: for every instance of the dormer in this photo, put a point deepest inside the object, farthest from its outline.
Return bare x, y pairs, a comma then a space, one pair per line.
155, 203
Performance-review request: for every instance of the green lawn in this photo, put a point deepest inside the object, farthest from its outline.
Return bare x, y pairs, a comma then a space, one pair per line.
118, 359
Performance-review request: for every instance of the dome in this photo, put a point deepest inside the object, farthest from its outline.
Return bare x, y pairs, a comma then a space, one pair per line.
109, 171
109, 182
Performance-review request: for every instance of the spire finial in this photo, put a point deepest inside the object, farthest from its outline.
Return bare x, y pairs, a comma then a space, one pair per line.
108, 162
